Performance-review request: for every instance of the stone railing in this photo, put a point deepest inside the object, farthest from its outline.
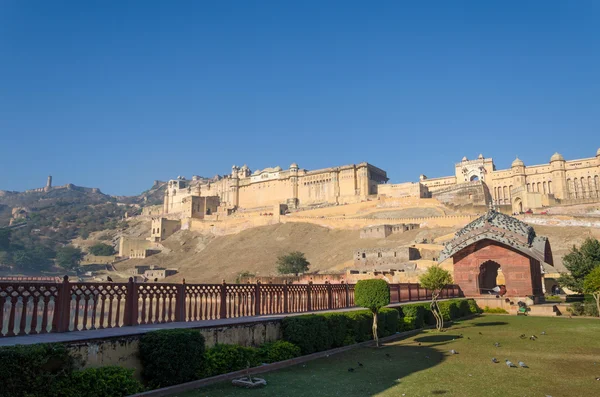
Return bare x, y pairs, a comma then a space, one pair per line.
41, 307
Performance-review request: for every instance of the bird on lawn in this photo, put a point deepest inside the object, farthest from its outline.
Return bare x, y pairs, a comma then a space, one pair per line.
522, 336
497, 344
532, 337
598, 378
388, 355
543, 333
522, 364
360, 364
510, 364
495, 360
453, 351
350, 369
109, 279
480, 333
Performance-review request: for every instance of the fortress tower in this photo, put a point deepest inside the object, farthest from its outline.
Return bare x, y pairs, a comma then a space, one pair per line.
48, 184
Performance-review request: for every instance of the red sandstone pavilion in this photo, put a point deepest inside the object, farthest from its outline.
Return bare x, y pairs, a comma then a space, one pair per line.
495, 250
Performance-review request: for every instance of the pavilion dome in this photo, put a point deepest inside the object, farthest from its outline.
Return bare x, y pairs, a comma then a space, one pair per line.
518, 163
465, 158
294, 165
598, 152
557, 157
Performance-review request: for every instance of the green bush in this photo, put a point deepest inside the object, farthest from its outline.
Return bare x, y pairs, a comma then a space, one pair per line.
576, 308
309, 332
407, 324
109, 381
338, 328
416, 311
34, 370
473, 306
590, 309
278, 351
464, 308
494, 310
449, 309
222, 359
101, 249
359, 326
387, 323
171, 356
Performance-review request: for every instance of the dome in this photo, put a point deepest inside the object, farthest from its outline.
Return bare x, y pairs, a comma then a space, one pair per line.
294, 165
465, 158
278, 168
256, 172
480, 157
518, 163
598, 152
557, 157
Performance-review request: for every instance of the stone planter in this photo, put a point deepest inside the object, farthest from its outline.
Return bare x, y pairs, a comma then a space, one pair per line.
249, 382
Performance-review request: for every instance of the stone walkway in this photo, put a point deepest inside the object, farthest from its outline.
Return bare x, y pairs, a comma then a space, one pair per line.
142, 329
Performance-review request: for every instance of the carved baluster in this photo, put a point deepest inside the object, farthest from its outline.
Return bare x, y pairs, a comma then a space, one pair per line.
34, 314
11, 317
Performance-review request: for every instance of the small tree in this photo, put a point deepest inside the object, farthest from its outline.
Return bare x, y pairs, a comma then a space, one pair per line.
372, 294
435, 279
294, 262
101, 249
68, 257
591, 285
580, 262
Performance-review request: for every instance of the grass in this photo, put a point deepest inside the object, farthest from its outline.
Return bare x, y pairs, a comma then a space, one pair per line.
565, 362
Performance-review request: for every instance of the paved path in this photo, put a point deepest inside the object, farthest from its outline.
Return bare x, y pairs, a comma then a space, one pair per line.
142, 329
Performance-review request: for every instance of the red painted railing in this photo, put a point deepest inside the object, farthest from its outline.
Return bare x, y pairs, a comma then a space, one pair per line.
29, 307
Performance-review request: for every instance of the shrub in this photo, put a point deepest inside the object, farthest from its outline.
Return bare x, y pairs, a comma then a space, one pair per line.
109, 381
590, 309
359, 326
171, 356
494, 310
416, 311
309, 332
388, 322
576, 308
101, 249
278, 351
222, 359
34, 370
337, 324
464, 308
407, 324
473, 306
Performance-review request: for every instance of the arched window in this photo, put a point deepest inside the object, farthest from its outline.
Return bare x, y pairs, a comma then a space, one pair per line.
539, 187
510, 190
549, 187
590, 184
545, 187
505, 192
597, 183
379, 254
583, 188
575, 188
529, 187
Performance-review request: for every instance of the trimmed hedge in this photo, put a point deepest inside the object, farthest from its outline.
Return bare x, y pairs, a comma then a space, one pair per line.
317, 332
109, 381
221, 359
278, 351
171, 356
34, 370
49, 370
451, 309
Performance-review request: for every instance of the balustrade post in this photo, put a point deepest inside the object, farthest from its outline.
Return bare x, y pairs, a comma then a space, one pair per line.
223, 309
131, 304
180, 302
62, 306
347, 291
285, 297
308, 297
329, 295
257, 299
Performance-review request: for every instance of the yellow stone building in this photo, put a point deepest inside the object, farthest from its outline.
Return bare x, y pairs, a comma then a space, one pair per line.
294, 187
524, 187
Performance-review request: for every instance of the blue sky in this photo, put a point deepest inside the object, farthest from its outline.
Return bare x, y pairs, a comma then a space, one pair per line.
116, 94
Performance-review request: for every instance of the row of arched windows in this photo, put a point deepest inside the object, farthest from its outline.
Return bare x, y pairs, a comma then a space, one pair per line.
502, 193
540, 187
584, 187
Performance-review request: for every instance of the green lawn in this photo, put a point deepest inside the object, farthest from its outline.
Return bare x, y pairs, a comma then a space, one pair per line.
565, 362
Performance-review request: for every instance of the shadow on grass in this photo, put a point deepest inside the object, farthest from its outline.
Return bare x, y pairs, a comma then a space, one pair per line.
358, 372
490, 324
437, 338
